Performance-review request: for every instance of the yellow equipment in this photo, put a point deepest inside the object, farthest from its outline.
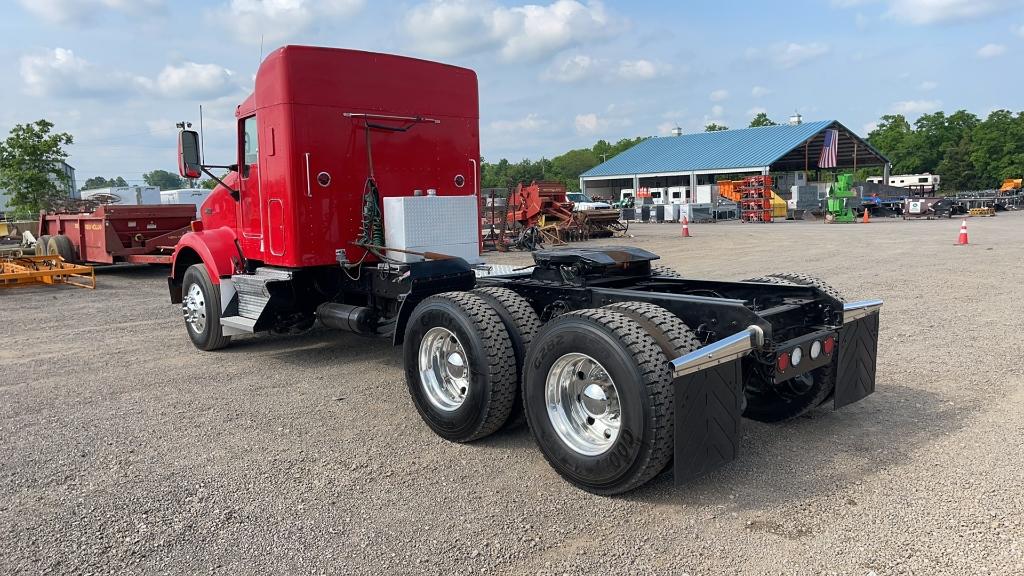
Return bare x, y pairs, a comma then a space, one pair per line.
53, 269
1012, 184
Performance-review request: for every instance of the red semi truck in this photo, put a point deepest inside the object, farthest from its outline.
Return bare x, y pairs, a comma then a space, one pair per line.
353, 202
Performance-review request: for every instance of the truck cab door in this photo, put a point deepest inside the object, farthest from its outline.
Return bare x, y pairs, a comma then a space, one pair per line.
251, 197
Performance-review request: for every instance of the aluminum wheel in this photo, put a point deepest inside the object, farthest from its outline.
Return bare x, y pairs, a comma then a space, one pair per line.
193, 308
444, 369
583, 404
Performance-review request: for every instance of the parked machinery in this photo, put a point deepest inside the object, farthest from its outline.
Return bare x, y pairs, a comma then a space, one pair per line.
621, 369
546, 207
840, 199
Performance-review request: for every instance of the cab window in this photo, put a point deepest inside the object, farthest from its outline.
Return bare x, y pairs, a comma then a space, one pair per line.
250, 143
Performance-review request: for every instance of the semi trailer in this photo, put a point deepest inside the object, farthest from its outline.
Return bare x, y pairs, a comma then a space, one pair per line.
350, 204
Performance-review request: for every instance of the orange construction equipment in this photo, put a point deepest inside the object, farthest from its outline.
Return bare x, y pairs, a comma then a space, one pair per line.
962, 240
50, 269
686, 227
867, 218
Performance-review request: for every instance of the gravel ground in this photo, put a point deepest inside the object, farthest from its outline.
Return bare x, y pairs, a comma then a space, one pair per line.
124, 450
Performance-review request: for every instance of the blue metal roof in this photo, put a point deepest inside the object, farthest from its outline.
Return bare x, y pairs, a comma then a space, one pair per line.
743, 148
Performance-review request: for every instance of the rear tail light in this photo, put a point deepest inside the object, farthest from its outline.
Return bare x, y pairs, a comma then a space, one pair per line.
796, 356
815, 350
829, 345
783, 362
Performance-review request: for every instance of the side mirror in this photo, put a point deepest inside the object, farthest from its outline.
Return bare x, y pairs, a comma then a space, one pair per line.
189, 165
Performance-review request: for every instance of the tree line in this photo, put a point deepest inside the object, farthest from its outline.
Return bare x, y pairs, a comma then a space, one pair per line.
968, 152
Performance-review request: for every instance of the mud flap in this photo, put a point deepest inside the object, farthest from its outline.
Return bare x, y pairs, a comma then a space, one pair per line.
708, 406
855, 367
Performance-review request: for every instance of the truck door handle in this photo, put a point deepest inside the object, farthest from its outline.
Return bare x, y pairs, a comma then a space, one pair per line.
309, 187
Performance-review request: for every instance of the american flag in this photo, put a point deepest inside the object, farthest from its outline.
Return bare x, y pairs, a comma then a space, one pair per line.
829, 150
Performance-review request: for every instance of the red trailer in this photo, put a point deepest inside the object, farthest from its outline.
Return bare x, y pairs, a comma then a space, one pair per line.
114, 233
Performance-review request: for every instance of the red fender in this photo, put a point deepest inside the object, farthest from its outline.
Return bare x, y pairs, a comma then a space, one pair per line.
216, 249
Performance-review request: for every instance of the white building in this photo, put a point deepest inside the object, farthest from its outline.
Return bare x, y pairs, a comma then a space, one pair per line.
185, 196
125, 195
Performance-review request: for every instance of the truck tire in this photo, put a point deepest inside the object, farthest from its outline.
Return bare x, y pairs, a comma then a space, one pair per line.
460, 366
61, 246
797, 396
43, 245
598, 398
807, 280
522, 322
200, 307
668, 330
664, 272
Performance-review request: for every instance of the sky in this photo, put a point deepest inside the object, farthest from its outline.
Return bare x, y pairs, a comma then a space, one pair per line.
554, 74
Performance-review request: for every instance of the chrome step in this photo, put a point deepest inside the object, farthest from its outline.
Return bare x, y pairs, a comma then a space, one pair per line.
232, 325
252, 289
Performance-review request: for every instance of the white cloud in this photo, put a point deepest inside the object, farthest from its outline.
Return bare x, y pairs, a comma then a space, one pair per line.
719, 95
60, 73
717, 111
928, 85
591, 123
529, 123
587, 123
190, 80
666, 128
1020, 31
530, 32
991, 50
84, 11
759, 91
921, 12
273, 21
756, 110
869, 128
641, 69
916, 106
789, 54
571, 69
924, 12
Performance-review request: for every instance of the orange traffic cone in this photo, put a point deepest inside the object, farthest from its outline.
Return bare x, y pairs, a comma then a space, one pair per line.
867, 219
962, 241
686, 227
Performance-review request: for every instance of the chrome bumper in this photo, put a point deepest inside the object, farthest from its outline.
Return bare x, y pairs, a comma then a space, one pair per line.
725, 350
857, 310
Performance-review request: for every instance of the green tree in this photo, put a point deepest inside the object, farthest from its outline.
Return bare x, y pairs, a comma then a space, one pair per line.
208, 184
101, 182
956, 168
713, 127
762, 119
31, 166
164, 179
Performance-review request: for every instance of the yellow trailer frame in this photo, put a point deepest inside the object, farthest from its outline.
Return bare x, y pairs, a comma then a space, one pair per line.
52, 269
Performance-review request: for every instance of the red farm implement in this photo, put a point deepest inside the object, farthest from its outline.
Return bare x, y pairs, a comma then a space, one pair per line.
112, 233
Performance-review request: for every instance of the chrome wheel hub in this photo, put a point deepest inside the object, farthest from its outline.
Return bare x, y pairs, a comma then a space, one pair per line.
444, 369
193, 308
583, 404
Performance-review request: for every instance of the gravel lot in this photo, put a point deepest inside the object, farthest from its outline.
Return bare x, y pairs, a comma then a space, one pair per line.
124, 450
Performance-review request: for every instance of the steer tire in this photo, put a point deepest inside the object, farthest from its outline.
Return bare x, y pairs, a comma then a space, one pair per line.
61, 246
522, 323
43, 245
211, 336
487, 358
635, 363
